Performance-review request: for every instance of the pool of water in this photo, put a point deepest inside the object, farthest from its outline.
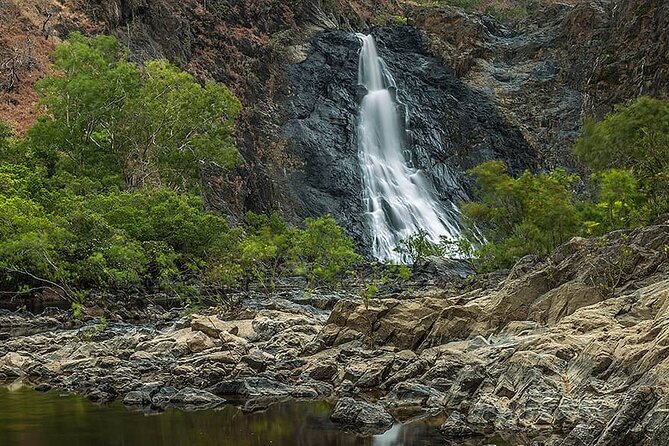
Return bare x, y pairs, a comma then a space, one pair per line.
29, 418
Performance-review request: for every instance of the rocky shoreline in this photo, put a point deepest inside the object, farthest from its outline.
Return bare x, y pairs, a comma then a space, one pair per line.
569, 350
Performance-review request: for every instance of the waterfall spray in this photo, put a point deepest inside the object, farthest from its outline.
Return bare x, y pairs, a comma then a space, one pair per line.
399, 200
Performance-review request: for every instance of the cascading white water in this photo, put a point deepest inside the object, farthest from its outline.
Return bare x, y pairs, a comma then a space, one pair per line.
399, 200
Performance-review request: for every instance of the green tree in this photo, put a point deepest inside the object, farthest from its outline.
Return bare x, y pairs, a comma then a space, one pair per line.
30, 244
619, 203
531, 214
634, 138
268, 249
326, 252
109, 119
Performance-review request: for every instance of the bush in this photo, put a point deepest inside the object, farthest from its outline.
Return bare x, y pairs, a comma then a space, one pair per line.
418, 246
326, 252
619, 203
633, 138
271, 249
531, 214
110, 120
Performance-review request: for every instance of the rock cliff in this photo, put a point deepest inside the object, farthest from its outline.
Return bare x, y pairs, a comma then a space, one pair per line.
474, 87
566, 351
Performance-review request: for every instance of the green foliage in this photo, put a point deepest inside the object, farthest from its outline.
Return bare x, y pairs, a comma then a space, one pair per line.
628, 152
97, 196
6, 134
268, 250
110, 120
111, 240
634, 138
418, 246
326, 252
400, 20
619, 203
369, 292
531, 214
30, 241
321, 252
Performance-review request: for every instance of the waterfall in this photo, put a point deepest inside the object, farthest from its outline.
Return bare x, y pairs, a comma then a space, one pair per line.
399, 200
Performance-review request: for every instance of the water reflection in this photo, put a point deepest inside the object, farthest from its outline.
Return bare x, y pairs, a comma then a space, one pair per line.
28, 418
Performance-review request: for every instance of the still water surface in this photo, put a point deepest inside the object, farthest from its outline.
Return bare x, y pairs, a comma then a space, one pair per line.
29, 418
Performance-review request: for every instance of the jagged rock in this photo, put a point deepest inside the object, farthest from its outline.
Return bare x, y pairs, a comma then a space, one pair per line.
442, 269
44, 387
194, 399
214, 327
102, 394
161, 398
456, 426
258, 360
361, 415
415, 395
322, 371
137, 398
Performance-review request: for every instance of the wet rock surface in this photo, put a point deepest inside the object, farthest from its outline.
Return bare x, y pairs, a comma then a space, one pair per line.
450, 126
568, 350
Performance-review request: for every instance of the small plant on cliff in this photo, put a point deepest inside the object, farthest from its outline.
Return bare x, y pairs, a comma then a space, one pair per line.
369, 292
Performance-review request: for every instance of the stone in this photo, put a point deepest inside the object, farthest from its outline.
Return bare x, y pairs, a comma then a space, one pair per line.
213, 326
258, 360
194, 399
14, 360
43, 387
322, 371
456, 426
361, 415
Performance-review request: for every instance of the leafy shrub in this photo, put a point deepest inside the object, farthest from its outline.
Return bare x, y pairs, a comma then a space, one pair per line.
418, 246
109, 119
531, 214
326, 252
633, 138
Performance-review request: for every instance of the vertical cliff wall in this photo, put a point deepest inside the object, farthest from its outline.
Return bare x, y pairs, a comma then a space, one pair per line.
451, 127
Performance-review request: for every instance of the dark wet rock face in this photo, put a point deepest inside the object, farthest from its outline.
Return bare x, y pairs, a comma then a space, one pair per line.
362, 416
450, 127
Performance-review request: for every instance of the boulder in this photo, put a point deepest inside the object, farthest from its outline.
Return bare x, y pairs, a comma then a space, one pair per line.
322, 370
213, 326
362, 416
456, 426
191, 399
